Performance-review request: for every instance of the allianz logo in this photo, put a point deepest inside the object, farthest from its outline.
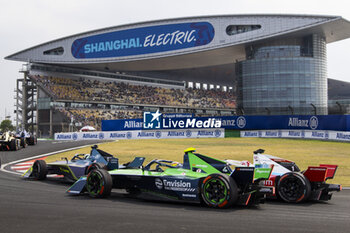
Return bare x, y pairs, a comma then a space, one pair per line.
89, 135
117, 135
304, 123
62, 136
250, 134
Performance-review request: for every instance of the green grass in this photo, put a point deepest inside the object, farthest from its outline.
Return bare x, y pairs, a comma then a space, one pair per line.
303, 152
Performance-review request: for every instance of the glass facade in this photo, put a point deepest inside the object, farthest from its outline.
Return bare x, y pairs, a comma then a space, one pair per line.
284, 77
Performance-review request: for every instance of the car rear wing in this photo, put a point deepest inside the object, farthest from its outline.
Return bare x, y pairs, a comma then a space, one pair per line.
243, 175
248, 180
331, 169
320, 173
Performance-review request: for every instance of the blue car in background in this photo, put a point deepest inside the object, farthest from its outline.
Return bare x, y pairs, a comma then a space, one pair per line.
72, 170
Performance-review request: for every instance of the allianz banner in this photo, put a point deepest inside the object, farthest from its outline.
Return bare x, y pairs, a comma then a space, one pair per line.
303, 122
141, 134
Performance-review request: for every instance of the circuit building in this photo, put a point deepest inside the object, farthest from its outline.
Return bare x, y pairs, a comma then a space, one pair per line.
276, 64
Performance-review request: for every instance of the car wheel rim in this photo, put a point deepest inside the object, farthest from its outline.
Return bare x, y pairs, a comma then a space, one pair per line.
292, 188
215, 191
94, 183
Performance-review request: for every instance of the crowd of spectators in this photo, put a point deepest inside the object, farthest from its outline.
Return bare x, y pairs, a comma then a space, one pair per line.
106, 92
93, 117
119, 92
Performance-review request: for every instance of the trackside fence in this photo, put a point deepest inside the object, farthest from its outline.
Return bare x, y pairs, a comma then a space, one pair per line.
300, 134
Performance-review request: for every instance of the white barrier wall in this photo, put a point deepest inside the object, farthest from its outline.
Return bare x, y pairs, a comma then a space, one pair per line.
142, 134
306, 134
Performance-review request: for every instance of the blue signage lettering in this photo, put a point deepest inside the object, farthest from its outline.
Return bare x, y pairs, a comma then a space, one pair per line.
143, 40
343, 136
176, 134
62, 136
330, 122
90, 136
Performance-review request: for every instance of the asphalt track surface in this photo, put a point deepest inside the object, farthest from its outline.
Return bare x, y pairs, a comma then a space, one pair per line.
43, 206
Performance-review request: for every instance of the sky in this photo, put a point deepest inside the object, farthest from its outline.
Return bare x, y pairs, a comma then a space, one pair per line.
24, 24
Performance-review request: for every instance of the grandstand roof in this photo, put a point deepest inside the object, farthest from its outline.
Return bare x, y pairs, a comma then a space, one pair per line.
179, 43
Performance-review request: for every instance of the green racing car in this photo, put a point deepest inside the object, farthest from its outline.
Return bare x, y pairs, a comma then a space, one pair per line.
199, 178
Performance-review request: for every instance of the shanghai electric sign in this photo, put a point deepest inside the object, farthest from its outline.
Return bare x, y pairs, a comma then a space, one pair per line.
143, 40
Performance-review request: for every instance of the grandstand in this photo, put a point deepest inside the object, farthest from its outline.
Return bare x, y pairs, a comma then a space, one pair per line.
68, 102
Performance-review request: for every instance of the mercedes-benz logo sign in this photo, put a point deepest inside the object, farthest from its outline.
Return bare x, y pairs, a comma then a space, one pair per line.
313, 122
159, 183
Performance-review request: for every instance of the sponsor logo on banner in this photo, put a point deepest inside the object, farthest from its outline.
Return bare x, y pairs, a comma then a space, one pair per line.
155, 120
140, 134
131, 124
158, 134
271, 134
176, 134
63, 137
317, 134
241, 122
152, 120
250, 134
294, 133
343, 136
90, 136
143, 40
145, 134
313, 122
296, 122
117, 135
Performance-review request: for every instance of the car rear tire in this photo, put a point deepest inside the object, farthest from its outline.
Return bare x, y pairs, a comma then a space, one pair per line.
99, 183
293, 187
218, 191
32, 140
13, 145
23, 142
39, 170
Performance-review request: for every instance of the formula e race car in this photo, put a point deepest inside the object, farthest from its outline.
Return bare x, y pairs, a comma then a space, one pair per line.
72, 170
26, 138
8, 141
198, 179
291, 184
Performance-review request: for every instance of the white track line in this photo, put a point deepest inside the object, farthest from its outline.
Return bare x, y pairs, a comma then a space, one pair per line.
38, 156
